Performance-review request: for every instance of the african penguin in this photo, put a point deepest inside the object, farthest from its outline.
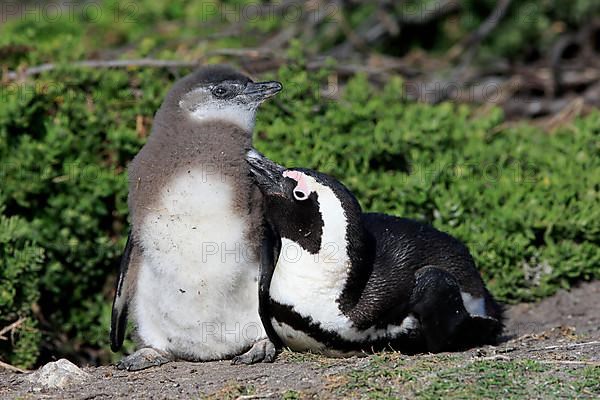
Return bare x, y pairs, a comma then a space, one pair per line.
189, 273
338, 281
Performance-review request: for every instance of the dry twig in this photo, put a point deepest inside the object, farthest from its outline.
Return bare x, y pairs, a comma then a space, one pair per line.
143, 62
571, 362
10, 327
12, 368
255, 396
566, 346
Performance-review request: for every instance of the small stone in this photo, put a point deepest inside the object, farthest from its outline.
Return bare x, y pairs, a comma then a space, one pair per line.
57, 375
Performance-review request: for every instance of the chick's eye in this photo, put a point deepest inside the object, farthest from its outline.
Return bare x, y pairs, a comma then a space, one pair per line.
219, 91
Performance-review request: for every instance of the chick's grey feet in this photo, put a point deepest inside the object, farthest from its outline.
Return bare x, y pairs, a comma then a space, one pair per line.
262, 351
144, 358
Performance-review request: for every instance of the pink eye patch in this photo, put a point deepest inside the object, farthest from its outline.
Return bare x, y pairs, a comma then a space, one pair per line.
301, 191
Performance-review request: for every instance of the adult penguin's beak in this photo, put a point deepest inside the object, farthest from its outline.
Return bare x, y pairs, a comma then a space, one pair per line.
267, 174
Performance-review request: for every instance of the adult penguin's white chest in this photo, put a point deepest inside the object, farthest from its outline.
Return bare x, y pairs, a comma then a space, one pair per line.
196, 294
311, 285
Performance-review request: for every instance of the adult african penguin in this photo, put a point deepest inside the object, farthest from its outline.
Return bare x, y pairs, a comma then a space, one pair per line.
189, 273
337, 281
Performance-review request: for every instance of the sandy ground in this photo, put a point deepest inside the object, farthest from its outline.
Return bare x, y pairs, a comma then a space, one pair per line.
561, 333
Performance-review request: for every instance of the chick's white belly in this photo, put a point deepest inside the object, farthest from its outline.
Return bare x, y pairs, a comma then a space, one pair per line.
197, 290
173, 315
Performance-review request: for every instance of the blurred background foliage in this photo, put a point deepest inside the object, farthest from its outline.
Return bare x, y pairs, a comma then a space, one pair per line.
524, 195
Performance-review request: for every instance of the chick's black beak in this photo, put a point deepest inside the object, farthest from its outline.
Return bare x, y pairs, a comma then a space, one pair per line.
260, 91
267, 174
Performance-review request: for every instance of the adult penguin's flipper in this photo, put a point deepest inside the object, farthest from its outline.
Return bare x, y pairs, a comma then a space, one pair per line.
269, 255
264, 350
437, 303
119, 309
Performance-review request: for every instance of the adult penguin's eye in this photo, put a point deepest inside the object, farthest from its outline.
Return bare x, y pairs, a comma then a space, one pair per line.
300, 195
220, 91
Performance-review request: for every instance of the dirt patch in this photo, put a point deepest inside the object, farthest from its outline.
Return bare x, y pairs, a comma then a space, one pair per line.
552, 349
578, 308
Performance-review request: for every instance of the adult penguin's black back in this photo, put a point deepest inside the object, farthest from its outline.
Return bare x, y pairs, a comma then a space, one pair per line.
403, 246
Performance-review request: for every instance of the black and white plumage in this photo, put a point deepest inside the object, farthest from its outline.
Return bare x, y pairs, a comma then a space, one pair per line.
189, 272
336, 280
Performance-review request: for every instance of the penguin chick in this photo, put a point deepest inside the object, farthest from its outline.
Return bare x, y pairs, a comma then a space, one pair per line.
337, 281
189, 273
